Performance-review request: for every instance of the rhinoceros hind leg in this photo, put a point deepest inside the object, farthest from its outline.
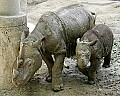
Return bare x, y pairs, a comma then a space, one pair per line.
106, 63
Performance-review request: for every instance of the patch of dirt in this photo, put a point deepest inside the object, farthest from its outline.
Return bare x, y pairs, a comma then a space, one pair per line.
107, 79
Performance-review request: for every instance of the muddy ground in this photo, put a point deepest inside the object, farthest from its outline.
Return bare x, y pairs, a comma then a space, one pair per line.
107, 79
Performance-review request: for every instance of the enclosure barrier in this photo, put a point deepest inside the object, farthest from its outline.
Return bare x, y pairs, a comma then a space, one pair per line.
12, 23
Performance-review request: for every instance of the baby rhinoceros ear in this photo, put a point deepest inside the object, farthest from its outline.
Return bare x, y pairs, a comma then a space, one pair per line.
92, 43
78, 40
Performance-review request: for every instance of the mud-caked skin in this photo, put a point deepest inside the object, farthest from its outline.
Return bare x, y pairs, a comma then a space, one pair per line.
56, 34
93, 46
28, 61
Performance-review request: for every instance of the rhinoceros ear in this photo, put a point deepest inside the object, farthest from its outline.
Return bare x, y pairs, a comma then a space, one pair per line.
25, 34
97, 31
92, 43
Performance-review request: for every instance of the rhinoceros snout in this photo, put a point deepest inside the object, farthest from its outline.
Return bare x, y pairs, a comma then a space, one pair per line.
16, 83
16, 78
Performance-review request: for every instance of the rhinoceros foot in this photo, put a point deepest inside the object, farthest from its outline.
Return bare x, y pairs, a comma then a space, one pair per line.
49, 79
57, 84
105, 66
91, 82
58, 87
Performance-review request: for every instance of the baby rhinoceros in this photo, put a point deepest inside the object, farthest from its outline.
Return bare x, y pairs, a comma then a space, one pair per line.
94, 45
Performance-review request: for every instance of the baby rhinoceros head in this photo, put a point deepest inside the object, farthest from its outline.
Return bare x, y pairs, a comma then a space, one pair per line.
83, 53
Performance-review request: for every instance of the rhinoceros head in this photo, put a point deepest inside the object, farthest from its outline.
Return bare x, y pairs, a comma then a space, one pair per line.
83, 53
28, 62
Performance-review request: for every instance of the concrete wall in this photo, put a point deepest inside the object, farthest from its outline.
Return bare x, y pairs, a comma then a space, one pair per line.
9, 7
11, 28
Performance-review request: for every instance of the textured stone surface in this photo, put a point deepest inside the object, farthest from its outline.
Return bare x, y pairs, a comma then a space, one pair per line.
11, 28
9, 7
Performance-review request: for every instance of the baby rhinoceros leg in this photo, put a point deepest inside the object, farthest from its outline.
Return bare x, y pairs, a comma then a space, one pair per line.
106, 63
92, 70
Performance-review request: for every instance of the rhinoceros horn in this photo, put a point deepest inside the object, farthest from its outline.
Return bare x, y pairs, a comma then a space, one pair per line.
19, 61
21, 55
21, 52
23, 36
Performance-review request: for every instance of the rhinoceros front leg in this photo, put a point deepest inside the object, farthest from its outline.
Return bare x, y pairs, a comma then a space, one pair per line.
57, 81
92, 69
49, 62
106, 63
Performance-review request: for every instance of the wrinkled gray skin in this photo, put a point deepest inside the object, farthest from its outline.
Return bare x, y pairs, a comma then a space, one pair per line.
55, 34
94, 45
28, 61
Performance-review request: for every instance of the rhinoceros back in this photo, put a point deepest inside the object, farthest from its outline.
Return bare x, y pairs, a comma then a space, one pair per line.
69, 22
77, 20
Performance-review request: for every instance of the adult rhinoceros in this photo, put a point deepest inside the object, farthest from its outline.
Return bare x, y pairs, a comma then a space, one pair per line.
55, 34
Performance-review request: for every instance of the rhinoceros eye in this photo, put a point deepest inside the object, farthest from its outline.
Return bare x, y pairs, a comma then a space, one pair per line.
28, 62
